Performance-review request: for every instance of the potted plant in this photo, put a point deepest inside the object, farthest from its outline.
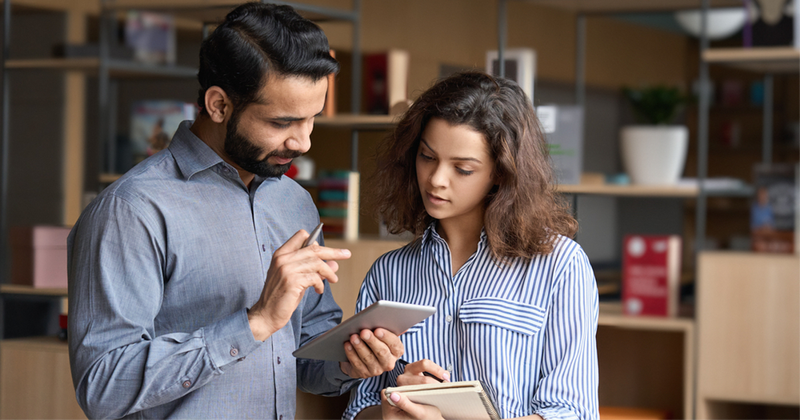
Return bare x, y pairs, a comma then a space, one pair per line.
654, 152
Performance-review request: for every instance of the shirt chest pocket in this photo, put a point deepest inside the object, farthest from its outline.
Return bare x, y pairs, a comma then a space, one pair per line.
522, 318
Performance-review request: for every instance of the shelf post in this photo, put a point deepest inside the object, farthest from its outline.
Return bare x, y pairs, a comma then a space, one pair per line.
766, 133
702, 136
4, 252
580, 61
502, 35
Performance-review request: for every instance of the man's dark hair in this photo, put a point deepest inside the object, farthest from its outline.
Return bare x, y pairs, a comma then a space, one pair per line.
256, 40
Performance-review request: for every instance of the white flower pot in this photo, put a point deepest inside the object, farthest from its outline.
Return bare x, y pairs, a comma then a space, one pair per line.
654, 154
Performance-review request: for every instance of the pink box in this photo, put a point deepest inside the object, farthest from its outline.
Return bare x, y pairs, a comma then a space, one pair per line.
39, 256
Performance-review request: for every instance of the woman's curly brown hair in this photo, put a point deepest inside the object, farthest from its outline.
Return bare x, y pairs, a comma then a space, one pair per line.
524, 213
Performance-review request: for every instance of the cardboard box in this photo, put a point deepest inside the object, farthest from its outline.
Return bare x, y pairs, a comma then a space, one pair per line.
39, 256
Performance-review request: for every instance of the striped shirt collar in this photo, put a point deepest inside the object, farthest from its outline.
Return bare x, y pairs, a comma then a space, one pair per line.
431, 236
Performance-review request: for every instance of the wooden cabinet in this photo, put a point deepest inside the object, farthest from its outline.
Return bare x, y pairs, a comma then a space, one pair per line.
748, 334
36, 382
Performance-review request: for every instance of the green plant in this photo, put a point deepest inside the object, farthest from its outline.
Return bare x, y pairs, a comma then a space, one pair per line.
655, 104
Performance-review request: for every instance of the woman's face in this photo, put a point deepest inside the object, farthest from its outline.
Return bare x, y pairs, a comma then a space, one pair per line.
455, 172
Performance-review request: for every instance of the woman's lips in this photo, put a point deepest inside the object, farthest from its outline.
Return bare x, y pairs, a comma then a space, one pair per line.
435, 199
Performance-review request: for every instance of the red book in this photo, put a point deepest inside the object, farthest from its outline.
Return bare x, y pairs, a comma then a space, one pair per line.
651, 267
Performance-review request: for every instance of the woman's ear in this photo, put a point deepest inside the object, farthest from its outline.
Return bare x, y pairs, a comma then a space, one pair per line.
218, 105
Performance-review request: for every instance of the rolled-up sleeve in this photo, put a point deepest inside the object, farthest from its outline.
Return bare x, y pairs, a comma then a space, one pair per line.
568, 387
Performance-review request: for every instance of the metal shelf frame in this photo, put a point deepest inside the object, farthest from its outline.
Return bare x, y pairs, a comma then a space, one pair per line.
108, 70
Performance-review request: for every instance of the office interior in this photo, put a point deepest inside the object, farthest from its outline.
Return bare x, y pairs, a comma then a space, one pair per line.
731, 351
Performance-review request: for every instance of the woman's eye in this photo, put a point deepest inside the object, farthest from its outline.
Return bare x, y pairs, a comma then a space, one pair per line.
464, 172
425, 157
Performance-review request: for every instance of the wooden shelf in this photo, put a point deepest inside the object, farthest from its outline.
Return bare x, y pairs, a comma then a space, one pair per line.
358, 122
757, 59
611, 316
628, 190
620, 6
16, 289
213, 11
651, 190
117, 68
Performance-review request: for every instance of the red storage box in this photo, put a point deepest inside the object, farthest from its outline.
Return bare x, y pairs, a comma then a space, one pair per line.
39, 256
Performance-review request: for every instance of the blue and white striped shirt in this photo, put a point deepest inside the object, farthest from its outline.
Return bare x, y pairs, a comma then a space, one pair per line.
526, 329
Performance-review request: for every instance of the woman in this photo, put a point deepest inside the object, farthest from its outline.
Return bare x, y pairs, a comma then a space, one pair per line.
467, 171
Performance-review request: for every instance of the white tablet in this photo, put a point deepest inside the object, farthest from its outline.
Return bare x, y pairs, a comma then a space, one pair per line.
393, 316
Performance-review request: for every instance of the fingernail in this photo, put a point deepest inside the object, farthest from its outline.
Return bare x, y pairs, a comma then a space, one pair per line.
366, 334
379, 333
446, 376
395, 397
355, 340
348, 347
346, 252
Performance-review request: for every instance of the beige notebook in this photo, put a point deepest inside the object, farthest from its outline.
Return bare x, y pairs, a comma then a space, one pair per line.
464, 400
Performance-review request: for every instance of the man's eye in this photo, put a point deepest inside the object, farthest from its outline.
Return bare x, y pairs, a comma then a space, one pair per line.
280, 124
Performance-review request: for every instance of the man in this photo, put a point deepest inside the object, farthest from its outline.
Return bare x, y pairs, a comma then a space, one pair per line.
170, 313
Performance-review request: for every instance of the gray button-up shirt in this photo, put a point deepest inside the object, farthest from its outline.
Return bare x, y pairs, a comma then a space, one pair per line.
162, 267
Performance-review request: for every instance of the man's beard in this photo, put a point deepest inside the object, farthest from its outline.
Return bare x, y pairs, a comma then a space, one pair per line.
244, 153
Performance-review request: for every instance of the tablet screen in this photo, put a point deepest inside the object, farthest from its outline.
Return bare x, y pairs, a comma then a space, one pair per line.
393, 316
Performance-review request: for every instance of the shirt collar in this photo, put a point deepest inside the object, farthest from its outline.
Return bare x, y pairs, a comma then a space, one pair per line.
191, 154
430, 235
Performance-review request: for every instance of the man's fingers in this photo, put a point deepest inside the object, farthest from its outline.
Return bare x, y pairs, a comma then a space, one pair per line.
366, 354
391, 340
327, 253
293, 244
359, 369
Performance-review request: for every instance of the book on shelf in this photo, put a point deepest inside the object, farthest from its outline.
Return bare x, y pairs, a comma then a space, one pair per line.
153, 123
338, 203
520, 66
773, 212
466, 400
563, 128
651, 274
385, 75
151, 36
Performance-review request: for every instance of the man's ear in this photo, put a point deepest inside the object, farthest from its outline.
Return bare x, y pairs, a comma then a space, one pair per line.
218, 104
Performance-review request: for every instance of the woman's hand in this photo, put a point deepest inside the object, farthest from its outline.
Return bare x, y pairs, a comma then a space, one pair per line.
414, 373
399, 407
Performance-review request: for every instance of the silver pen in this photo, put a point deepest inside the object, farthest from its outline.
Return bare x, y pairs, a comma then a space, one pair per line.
314, 235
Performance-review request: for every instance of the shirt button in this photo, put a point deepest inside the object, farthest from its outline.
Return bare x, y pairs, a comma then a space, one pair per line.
279, 360
234, 352
187, 384
450, 368
449, 318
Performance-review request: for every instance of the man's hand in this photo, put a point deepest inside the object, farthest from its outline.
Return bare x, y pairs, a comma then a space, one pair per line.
293, 269
371, 354
401, 408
